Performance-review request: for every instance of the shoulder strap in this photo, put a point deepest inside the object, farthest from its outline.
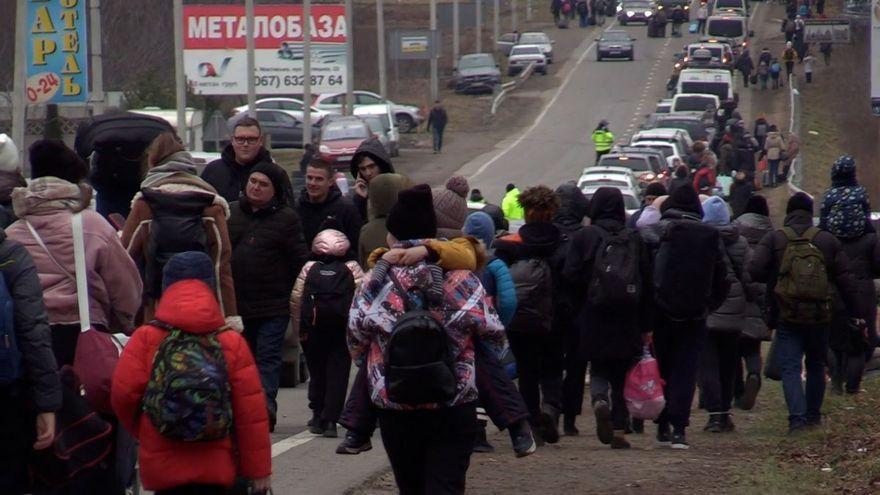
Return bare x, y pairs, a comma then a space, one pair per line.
811, 233
790, 234
42, 244
82, 282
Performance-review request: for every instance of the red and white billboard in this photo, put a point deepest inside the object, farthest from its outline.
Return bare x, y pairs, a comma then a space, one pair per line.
215, 55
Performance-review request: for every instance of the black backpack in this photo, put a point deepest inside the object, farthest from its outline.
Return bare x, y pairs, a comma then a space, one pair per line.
534, 296
327, 295
616, 283
419, 368
684, 269
176, 227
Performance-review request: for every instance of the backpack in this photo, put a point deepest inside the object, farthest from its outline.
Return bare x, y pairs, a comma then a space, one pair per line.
327, 294
188, 396
419, 368
775, 68
566, 7
176, 227
10, 356
802, 286
761, 129
615, 283
533, 281
684, 269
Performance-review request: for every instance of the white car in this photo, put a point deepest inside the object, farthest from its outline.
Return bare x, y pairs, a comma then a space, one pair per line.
541, 40
669, 134
606, 176
382, 112
671, 151
521, 56
290, 106
631, 201
407, 117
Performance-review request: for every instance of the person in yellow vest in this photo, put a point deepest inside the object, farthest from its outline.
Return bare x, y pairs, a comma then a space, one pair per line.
602, 139
510, 204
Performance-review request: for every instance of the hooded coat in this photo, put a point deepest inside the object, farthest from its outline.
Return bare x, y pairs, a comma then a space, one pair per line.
729, 317
496, 276
754, 227
846, 210
228, 177
774, 145
373, 149
383, 195
314, 216
573, 206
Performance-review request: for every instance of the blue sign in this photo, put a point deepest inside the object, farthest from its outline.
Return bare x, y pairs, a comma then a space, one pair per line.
57, 52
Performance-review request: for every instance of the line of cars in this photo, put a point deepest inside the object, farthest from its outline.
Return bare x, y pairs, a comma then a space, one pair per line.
481, 72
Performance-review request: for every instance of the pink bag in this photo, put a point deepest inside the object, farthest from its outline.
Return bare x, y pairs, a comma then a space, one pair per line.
643, 390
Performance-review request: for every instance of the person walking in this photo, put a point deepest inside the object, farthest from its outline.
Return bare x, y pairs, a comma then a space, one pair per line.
702, 15
321, 202
762, 127
678, 18
383, 195
745, 66
800, 310
763, 74
510, 205
613, 324
774, 146
808, 61
369, 161
437, 120
719, 358
789, 55
775, 72
603, 139
826, 48
238, 447
268, 251
427, 426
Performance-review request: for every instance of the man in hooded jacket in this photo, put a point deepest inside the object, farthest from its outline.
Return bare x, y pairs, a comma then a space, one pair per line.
383, 195
369, 161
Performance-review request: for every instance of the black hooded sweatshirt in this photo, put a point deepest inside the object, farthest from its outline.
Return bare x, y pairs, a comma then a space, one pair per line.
373, 149
229, 177
316, 217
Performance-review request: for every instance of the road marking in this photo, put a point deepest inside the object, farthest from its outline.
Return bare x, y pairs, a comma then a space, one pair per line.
543, 113
292, 441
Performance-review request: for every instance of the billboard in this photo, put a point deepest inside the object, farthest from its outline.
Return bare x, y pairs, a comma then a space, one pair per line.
57, 52
875, 58
827, 30
215, 55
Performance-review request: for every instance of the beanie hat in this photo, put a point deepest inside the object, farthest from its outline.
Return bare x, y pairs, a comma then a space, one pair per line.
450, 209
458, 185
715, 212
275, 174
413, 215
8, 154
51, 157
481, 226
757, 205
799, 201
655, 189
684, 198
476, 196
189, 265
510, 187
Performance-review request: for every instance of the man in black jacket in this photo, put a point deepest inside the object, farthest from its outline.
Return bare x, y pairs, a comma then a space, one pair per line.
35, 396
437, 122
322, 201
368, 161
801, 342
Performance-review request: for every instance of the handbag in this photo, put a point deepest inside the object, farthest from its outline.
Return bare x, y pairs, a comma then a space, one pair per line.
753, 79
772, 366
643, 389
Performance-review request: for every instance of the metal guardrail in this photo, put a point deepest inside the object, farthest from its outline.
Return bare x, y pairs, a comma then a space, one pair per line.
795, 173
509, 86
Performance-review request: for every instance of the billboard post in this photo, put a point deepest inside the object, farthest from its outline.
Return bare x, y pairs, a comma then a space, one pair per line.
875, 54
179, 78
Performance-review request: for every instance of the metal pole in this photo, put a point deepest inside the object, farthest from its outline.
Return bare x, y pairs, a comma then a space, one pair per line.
307, 72
380, 47
513, 15
528, 10
435, 90
496, 21
97, 96
455, 33
479, 25
349, 58
251, 63
19, 98
179, 78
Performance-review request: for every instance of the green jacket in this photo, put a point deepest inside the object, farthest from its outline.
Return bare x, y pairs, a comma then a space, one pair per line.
383, 195
603, 140
511, 207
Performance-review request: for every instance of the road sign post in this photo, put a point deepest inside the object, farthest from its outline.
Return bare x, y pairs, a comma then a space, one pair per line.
307, 72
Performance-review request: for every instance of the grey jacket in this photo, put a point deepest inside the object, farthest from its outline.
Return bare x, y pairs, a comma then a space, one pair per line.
730, 316
754, 227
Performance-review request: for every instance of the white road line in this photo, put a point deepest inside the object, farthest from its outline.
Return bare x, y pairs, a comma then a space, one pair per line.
543, 113
292, 441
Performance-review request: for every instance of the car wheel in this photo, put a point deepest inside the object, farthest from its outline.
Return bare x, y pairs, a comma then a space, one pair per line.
405, 123
622, 22
632, 55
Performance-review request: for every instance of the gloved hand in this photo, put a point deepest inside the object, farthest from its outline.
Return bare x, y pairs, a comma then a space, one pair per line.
235, 323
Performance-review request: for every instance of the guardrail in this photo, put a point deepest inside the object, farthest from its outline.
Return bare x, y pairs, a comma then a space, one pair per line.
795, 172
509, 86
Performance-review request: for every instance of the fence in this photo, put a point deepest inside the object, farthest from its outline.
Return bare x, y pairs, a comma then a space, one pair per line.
510, 86
795, 107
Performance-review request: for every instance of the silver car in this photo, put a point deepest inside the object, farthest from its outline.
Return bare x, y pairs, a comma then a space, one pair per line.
407, 117
540, 39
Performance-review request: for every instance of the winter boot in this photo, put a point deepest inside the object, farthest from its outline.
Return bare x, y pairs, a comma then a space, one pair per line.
714, 423
638, 425
330, 430
354, 444
550, 424
316, 425
481, 443
619, 440
568, 426
604, 428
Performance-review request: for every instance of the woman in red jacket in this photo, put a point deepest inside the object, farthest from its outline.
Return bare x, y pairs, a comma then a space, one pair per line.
170, 466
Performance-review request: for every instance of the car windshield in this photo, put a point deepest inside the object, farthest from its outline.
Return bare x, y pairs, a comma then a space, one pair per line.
630, 202
375, 124
695, 128
336, 131
634, 163
525, 50
471, 62
729, 28
714, 50
693, 103
718, 89
728, 4
533, 38
637, 5
666, 150
615, 36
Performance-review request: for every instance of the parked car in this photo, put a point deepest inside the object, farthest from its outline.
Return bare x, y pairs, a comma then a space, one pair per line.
406, 117
477, 72
634, 11
696, 127
663, 106
382, 121
283, 129
292, 106
541, 40
521, 56
677, 136
615, 44
694, 104
656, 157
340, 138
642, 168
671, 150
505, 42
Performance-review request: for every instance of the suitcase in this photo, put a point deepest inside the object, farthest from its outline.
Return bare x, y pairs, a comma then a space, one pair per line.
693, 27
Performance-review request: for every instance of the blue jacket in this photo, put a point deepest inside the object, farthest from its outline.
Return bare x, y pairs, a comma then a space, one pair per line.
499, 284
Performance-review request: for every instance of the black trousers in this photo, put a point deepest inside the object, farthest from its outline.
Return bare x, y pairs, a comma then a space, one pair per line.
847, 370
539, 363
718, 369
429, 450
17, 435
748, 351
575, 374
606, 383
678, 345
329, 365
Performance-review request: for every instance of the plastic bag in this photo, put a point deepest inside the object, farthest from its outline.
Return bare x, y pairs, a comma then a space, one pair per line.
643, 390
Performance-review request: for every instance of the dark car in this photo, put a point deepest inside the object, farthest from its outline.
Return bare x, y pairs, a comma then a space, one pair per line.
669, 6
615, 44
697, 128
634, 11
477, 72
283, 129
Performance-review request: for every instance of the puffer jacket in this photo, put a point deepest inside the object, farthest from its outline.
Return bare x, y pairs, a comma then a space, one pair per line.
754, 227
172, 181
864, 257
115, 287
774, 145
383, 195
329, 245
373, 149
729, 317
496, 276
191, 306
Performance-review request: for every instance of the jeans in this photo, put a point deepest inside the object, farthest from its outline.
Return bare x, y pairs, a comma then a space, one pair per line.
606, 383
701, 27
438, 137
329, 365
265, 336
717, 371
678, 345
794, 344
774, 171
539, 363
748, 351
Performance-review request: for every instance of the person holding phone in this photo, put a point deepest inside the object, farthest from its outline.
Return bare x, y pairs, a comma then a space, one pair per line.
369, 161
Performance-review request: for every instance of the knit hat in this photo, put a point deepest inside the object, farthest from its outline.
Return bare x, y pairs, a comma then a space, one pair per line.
187, 266
684, 198
458, 185
655, 189
481, 226
476, 196
681, 171
275, 174
413, 216
799, 201
757, 205
451, 210
51, 157
8, 154
716, 212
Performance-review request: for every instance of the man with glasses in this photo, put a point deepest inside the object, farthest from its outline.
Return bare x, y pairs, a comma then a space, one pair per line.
229, 174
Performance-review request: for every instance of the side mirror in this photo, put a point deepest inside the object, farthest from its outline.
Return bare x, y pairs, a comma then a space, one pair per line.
596, 39
632, 39
552, 42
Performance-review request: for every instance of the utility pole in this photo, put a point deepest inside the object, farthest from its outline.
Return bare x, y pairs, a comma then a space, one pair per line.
179, 77
435, 90
455, 33
349, 57
19, 89
96, 96
380, 47
496, 22
528, 10
513, 15
307, 72
251, 63
479, 25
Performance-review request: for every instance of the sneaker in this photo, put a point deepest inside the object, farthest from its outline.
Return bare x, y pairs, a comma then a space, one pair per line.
354, 444
619, 442
604, 428
795, 429
481, 443
330, 430
679, 442
727, 425
714, 423
316, 427
812, 422
568, 426
522, 439
550, 424
664, 437
750, 392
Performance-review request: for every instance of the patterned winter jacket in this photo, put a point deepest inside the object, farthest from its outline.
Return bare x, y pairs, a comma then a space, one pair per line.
464, 311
